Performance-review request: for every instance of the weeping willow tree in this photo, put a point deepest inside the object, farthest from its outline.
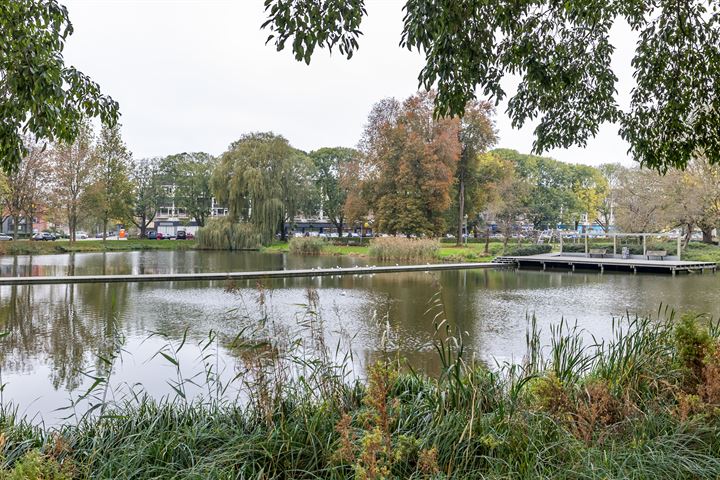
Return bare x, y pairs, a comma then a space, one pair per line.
224, 234
264, 182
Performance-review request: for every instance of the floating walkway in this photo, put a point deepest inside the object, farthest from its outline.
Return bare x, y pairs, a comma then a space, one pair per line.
257, 275
634, 265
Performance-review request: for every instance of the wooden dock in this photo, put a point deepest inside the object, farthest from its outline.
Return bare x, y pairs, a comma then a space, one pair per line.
634, 265
255, 275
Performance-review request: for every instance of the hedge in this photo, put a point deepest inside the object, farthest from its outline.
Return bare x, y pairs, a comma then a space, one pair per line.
526, 250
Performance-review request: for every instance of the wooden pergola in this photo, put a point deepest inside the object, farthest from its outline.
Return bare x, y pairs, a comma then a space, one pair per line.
615, 235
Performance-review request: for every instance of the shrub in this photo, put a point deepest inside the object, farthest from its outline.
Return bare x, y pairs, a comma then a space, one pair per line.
634, 249
693, 345
35, 466
401, 248
525, 250
347, 240
480, 239
574, 247
307, 245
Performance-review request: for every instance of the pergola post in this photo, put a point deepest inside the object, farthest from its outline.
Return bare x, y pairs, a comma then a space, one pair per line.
586, 243
614, 244
561, 243
679, 247
644, 244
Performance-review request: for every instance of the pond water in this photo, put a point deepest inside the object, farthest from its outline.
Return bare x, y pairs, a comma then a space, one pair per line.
56, 334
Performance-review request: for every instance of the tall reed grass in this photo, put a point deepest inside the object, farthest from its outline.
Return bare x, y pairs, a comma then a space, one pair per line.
307, 245
641, 404
402, 248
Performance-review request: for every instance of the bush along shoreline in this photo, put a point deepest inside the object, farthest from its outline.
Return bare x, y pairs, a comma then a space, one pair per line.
645, 403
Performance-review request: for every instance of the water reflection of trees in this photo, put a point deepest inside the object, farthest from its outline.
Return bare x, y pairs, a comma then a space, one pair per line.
66, 327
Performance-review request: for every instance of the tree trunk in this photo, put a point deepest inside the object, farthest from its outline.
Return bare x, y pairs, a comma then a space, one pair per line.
16, 226
143, 226
487, 241
339, 226
283, 233
104, 232
707, 235
72, 223
688, 235
461, 213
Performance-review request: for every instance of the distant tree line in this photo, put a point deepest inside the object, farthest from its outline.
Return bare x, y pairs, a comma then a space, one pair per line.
413, 173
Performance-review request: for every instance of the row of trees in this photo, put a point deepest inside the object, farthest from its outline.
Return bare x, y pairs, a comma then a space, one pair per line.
421, 175
86, 179
417, 174
410, 170
645, 201
414, 174
94, 182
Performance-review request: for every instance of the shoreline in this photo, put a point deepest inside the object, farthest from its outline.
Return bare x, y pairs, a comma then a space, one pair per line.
447, 253
31, 247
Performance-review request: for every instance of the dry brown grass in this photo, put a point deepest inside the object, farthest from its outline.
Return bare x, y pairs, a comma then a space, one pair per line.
402, 248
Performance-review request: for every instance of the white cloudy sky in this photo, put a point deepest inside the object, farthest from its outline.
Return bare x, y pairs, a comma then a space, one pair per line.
193, 75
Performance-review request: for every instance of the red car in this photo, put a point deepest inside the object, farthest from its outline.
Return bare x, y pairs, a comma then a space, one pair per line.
160, 236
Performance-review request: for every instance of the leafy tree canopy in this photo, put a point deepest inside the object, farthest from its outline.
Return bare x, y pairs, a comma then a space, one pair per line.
330, 164
190, 174
562, 53
410, 159
111, 195
261, 179
39, 94
558, 192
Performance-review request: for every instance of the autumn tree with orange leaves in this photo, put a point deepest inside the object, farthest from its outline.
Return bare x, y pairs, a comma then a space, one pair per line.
411, 159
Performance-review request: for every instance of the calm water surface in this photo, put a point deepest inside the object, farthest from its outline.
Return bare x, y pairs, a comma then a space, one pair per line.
56, 332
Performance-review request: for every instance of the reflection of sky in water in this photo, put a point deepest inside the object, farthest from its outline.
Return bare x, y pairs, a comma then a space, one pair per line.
56, 330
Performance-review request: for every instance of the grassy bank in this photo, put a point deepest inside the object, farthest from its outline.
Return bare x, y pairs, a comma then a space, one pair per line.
644, 404
472, 252
27, 247
475, 252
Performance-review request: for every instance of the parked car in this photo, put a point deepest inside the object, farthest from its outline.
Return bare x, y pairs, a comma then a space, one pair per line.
159, 236
4, 237
190, 236
151, 235
81, 236
44, 237
180, 235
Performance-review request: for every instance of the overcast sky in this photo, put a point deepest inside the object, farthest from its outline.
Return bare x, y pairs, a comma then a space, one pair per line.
194, 75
